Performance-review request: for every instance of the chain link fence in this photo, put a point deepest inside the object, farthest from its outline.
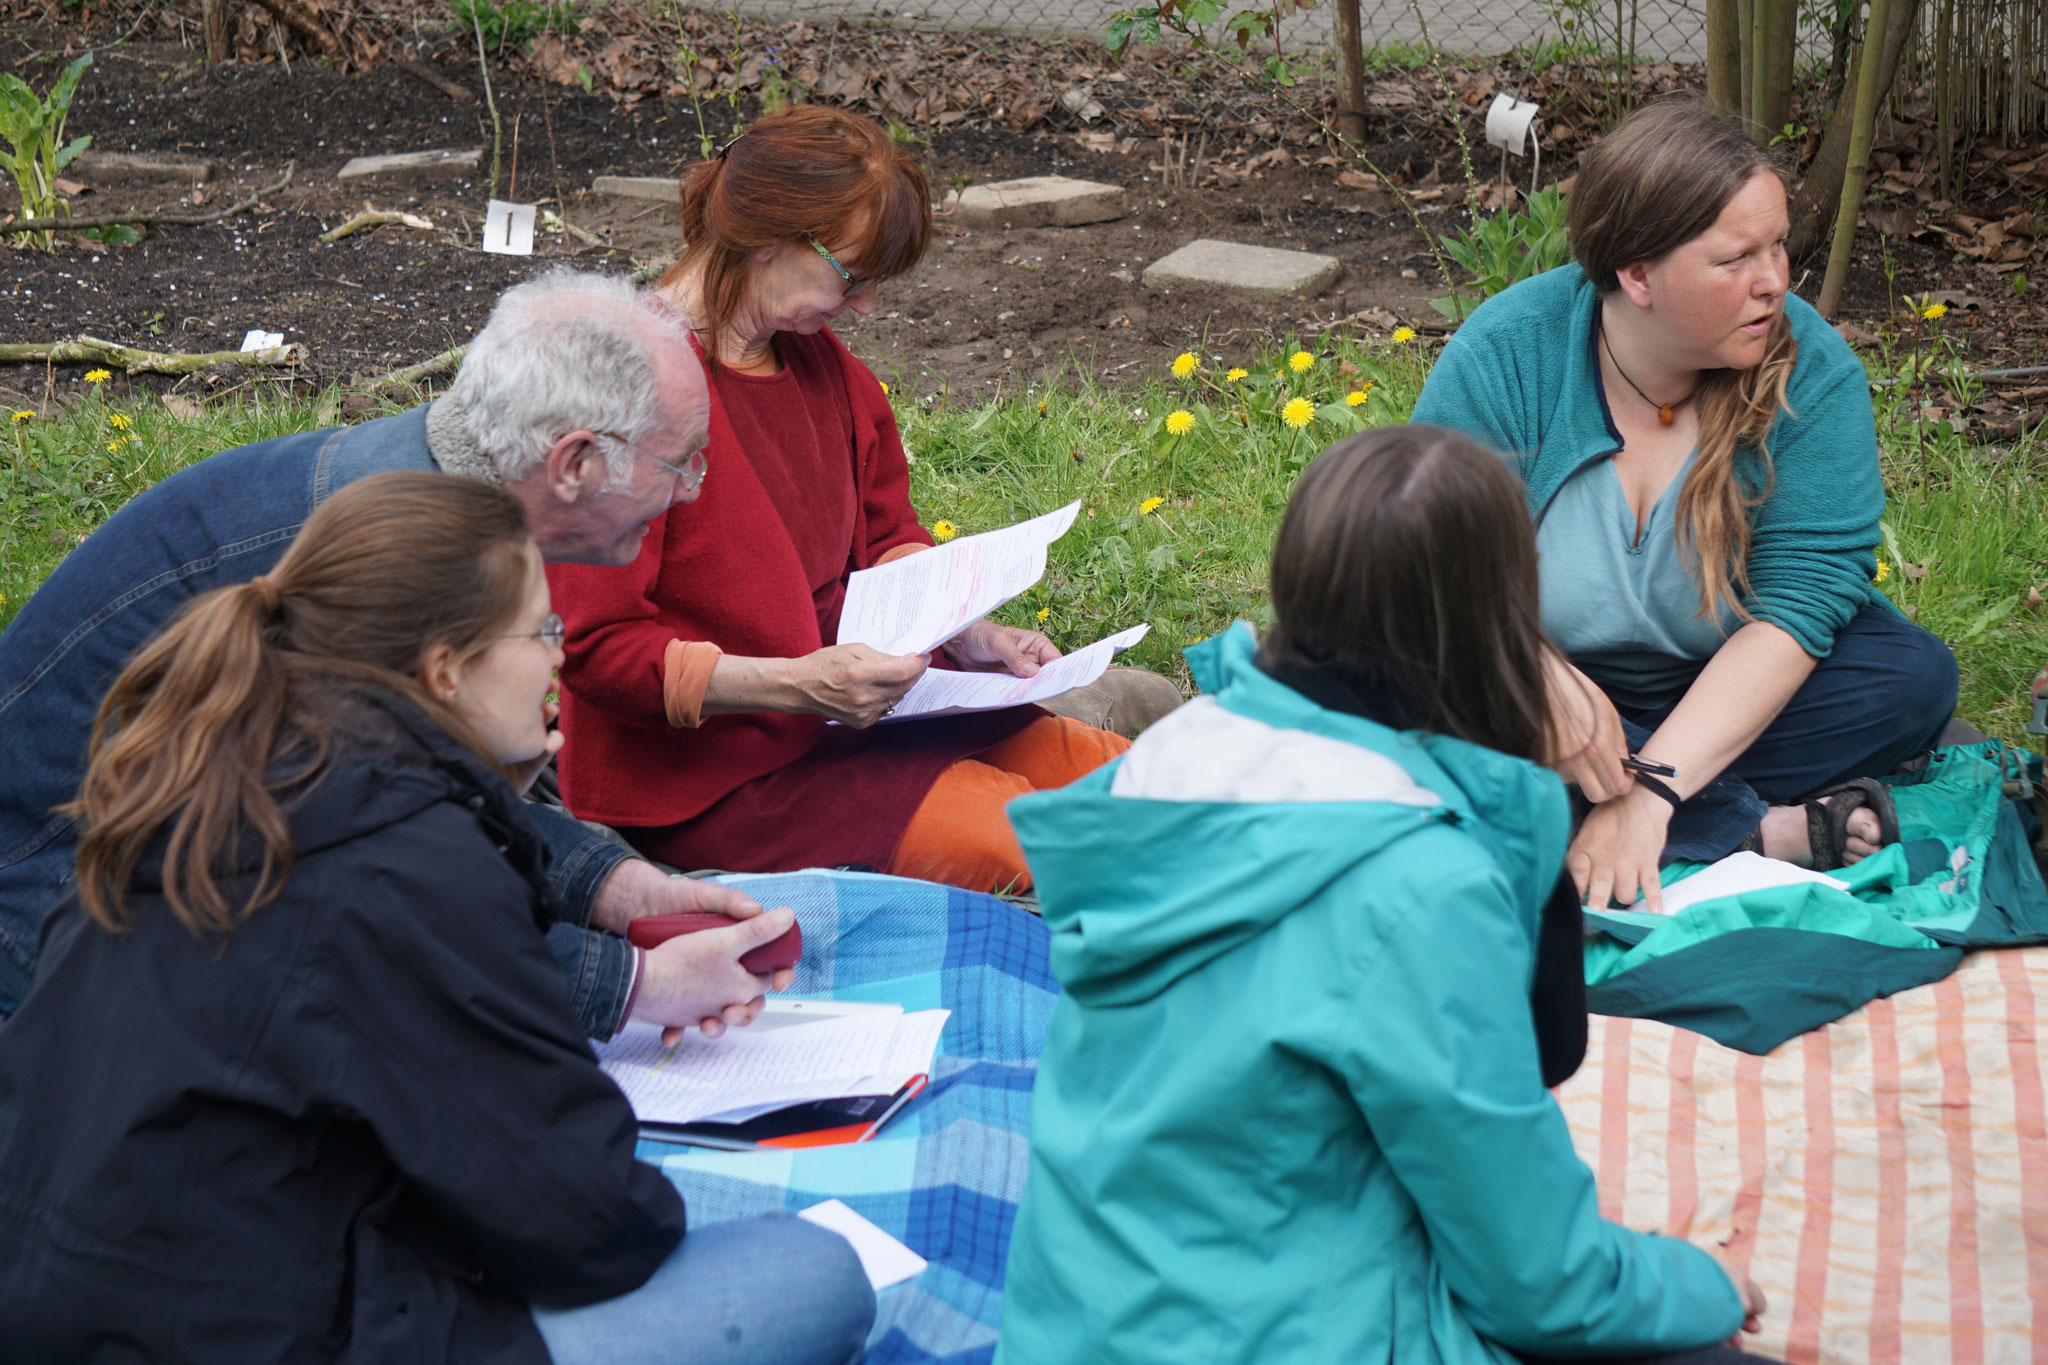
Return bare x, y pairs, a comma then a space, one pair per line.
1655, 30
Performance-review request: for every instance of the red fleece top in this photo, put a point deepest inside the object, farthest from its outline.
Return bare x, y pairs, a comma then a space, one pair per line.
808, 482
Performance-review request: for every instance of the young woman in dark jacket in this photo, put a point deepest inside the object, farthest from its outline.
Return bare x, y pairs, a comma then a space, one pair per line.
298, 1079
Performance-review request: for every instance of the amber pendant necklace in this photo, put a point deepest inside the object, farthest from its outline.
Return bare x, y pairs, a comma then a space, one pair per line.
1667, 413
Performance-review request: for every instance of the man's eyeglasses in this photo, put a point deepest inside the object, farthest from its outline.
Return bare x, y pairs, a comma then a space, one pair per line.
691, 471
551, 633
854, 284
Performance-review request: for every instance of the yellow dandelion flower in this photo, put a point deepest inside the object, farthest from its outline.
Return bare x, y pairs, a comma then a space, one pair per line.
1041, 407
943, 531
98, 376
885, 387
1044, 614
1184, 364
119, 423
113, 445
1150, 505
1884, 571
1180, 423
25, 415
1934, 312
1355, 398
1403, 335
1298, 413
1236, 375
1301, 362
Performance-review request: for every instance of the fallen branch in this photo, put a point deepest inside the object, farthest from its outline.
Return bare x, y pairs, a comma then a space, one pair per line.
80, 349
412, 374
321, 36
370, 218
461, 94
146, 219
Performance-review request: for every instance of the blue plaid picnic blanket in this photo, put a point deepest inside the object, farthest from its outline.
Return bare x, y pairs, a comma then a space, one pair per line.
943, 1176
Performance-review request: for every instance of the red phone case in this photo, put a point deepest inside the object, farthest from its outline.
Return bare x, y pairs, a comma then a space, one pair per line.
650, 930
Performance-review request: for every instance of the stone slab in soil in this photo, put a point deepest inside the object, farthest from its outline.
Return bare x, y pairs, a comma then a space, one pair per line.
665, 189
443, 163
1234, 265
1039, 201
141, 166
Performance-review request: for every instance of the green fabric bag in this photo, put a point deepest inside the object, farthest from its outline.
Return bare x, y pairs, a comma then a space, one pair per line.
1754, 969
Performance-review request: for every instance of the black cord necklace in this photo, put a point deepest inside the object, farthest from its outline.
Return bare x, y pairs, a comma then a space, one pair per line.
1667, 413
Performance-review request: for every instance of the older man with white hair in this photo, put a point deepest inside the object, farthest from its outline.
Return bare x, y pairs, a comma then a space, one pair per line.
585, 402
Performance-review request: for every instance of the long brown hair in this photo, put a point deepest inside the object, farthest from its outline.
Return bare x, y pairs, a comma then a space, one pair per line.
1405, 568
232, 704
1656, 182
809, 171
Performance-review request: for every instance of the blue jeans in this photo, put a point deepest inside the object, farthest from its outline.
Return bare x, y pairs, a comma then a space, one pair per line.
1883, 695
765, 1289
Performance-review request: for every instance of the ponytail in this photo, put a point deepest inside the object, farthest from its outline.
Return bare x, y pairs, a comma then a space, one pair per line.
183, 739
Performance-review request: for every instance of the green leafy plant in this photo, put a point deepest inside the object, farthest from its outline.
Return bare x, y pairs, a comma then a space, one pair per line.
516, 21
33, 129
1505, 249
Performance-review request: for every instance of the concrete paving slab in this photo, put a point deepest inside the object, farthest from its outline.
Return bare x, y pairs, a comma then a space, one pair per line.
1039, 201
665, 189
1233, 265
443, 163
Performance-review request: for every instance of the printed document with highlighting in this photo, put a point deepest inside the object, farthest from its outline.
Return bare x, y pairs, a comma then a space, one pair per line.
942, 692
915, 604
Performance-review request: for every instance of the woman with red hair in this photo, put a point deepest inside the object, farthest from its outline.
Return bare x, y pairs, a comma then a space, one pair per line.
700, 681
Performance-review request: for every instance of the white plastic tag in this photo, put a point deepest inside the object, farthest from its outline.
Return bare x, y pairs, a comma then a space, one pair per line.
508, 228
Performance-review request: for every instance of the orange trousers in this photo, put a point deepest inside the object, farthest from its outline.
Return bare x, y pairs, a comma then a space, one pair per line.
960, 835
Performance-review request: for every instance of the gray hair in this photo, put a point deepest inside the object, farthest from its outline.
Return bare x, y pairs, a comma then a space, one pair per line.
565, 352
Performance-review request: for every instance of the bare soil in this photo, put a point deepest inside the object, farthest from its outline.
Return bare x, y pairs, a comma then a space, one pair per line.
987, 310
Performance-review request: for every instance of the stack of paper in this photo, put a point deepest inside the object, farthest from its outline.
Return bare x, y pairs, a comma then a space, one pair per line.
915, 604
814, 1051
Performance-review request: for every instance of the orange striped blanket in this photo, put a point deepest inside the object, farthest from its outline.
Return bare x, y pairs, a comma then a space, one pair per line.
1883, 1179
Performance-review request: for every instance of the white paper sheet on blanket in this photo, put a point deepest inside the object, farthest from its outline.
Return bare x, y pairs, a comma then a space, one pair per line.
915, 604
943, 692
746, 1072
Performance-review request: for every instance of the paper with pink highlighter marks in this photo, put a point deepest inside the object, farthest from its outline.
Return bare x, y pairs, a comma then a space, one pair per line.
941, 692
915, 604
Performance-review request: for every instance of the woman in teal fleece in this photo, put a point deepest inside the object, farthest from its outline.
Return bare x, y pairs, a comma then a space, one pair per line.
1698, 452
1291, 1108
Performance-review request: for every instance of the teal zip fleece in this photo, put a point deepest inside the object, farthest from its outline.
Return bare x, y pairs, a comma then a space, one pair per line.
1290, 1108
1521, 376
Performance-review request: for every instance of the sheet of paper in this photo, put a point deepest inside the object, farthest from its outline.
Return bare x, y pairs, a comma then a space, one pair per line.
1735, 874
508, 228
917, 603
886, 1260
704, 1078
943, 692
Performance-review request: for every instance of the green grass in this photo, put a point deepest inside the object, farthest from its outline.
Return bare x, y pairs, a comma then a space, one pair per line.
1972, 523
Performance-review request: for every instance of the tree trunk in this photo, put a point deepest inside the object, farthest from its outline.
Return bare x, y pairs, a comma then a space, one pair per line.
1724, 58
213, 20
1945, 95
1771, 102
1813, 207
1745, 23
1351, 90
1869, 91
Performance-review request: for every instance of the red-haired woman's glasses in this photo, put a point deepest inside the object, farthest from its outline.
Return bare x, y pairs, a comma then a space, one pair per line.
854, 284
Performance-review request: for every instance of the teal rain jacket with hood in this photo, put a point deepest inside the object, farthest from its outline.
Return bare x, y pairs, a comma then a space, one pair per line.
1290, 1108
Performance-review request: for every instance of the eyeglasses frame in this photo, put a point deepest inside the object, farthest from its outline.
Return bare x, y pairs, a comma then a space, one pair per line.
691, 472
854, 284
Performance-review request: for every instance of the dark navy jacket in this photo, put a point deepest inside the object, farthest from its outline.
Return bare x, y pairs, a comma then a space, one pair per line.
221, 521
365, 1126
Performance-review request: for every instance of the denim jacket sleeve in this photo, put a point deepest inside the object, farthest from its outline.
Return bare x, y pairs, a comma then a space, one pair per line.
598, 966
